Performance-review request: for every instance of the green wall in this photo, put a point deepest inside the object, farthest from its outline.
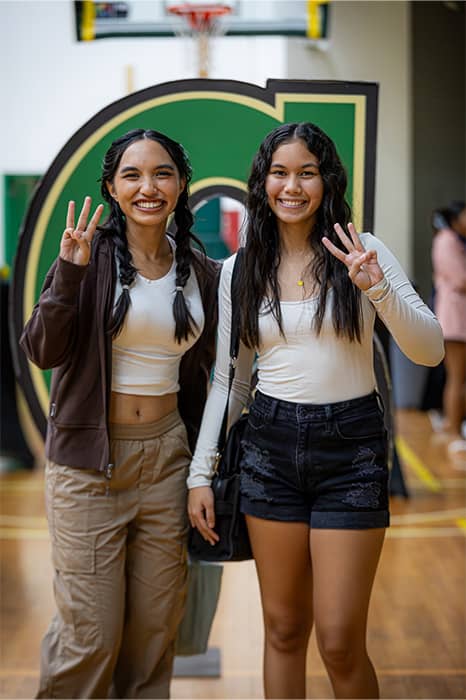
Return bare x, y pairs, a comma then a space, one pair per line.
18, 191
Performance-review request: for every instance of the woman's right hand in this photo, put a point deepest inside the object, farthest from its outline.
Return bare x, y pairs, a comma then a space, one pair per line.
201, 512
75, 244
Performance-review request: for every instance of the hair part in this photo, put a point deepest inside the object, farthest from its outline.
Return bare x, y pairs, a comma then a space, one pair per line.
258, 275
115, 227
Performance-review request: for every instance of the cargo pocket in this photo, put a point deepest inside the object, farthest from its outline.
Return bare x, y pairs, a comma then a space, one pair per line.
76, 598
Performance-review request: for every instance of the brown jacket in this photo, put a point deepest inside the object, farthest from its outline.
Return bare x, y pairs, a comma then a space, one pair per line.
67, 332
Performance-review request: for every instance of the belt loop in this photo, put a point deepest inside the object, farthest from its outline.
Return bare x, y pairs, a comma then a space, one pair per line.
272, 412
328, 419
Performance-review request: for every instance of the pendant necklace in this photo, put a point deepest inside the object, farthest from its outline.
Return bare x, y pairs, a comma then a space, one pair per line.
303, 288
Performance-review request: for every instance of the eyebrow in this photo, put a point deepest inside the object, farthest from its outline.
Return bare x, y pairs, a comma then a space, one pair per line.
304, 165
129, 168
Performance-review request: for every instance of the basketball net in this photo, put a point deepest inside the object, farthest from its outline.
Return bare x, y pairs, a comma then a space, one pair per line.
201, 22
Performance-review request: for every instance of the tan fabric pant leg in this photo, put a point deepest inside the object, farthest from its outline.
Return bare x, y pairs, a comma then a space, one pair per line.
156, 570
88, 540
118, 550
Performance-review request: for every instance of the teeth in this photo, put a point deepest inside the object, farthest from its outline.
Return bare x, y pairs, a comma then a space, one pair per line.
149, 205
291, 203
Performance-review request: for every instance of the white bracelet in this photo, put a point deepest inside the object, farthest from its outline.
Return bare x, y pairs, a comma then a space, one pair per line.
380, 292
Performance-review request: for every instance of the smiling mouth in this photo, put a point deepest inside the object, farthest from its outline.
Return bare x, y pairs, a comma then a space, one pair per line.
292, 203
149, 206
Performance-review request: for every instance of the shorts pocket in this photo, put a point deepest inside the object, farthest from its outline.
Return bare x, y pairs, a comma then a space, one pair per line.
256, 420
370, 425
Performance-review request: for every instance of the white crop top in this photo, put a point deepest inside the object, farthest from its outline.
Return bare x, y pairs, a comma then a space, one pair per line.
145, 355
308, 368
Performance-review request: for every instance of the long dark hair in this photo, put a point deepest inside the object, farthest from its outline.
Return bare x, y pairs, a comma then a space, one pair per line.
444, 217
258, 276
115, 227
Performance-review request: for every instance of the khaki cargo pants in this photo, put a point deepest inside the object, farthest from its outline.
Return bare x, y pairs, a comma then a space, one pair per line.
119, 553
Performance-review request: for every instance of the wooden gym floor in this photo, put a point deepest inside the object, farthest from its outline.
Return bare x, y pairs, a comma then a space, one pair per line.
417, 625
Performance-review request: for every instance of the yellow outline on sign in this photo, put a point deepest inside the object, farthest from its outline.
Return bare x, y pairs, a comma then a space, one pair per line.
218, 182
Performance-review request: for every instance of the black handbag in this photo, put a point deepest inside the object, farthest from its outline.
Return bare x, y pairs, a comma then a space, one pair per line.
230, 523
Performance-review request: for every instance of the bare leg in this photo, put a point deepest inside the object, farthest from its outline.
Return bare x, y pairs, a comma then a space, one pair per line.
455, 386
281, 551
344, 563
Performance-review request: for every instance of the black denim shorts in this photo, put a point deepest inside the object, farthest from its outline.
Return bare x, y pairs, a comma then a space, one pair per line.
322, 464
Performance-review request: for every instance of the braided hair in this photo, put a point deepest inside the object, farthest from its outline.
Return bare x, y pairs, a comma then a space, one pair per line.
258, 275
115, 227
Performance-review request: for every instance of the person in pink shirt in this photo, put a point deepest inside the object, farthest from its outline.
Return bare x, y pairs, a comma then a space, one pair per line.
449, 271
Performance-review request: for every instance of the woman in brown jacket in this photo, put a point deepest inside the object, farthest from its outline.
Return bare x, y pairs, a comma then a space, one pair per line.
126, 319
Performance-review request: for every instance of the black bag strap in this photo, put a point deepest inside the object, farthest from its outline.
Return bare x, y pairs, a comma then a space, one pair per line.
234, 347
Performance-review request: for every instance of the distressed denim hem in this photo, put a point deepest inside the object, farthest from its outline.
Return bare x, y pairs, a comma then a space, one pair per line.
350, 520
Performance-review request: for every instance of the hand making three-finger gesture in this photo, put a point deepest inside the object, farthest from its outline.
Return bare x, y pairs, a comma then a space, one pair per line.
363, 267
75, 244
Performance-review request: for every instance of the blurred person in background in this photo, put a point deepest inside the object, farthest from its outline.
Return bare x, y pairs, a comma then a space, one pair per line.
449, 274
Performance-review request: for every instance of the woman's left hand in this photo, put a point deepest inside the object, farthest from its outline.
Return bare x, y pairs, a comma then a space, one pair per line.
363, 268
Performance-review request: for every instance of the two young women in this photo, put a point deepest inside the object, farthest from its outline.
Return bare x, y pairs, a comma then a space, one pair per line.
314, 466
127, 324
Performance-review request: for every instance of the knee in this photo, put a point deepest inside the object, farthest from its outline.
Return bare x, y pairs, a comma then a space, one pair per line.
111, 637
286, 634
340, 649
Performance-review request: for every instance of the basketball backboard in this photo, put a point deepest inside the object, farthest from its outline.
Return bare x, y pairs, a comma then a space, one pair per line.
99, 20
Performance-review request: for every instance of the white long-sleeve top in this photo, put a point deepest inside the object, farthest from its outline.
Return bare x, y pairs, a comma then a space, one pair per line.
308, 368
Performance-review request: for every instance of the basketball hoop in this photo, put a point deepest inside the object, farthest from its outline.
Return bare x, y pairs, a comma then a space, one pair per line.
201, 21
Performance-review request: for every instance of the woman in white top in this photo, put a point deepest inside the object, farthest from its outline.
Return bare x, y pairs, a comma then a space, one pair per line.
314, 463
126, 319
